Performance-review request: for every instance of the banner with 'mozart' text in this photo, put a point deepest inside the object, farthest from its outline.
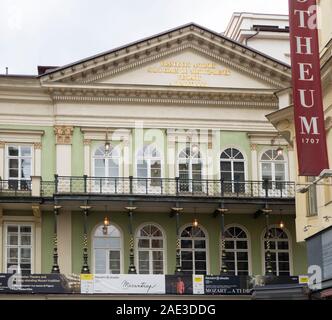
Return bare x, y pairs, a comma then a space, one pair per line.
307, 89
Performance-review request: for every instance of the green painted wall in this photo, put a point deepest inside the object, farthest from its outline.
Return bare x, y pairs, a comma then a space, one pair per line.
255, 228
47, 242
48, 149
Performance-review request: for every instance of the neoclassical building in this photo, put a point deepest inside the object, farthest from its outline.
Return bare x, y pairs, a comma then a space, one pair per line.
154, 157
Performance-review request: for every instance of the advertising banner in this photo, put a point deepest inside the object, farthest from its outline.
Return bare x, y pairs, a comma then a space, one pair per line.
123, 284
38, 283
229, 285
179, 284
307, 89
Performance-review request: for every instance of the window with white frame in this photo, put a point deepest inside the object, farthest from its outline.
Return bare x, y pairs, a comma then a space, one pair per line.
149, 165
18, 248
190, 169
193, 250
107, 250
280, 251
19, 166
150, 250
273, 168
106, 164
237, 251
232, 170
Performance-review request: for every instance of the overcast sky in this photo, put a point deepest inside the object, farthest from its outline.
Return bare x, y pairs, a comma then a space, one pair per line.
58, 32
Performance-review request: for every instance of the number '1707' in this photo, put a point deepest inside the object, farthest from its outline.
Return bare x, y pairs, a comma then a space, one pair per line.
310, 141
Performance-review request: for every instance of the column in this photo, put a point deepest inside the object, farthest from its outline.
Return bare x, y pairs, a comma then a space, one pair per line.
254, 163
55, 267
85, 267
37, 159
2, 159
171, 159
132, 268
64, 235
63, 136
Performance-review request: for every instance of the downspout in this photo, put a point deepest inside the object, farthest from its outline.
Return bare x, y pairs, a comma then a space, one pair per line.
253, 35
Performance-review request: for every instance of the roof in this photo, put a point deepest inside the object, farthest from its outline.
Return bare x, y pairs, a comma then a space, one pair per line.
159, 35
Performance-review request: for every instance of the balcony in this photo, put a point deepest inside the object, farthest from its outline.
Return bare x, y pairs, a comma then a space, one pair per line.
70, 185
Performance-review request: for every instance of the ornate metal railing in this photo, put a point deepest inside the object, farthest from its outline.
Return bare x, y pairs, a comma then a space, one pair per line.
168, 187
15, 187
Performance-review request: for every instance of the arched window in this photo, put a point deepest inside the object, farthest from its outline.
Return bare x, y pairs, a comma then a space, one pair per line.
190, 169
149, 165
150, 247
193, 250
232, 170
106, 164
273, 168
280, 251
237, 251
107, 250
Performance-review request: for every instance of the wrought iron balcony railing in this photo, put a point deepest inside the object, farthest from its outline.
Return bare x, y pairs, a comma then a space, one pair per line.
15, 187
167, 187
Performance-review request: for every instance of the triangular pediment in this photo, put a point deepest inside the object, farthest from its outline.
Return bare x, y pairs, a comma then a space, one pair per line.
188, 56
187, 68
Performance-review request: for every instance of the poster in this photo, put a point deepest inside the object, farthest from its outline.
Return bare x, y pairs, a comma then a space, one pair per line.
228, 285
124, 284
198, 284
38, 283
179, 284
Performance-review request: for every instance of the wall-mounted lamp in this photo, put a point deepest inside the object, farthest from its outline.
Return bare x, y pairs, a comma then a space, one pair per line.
280, 150
107, 144
281, 223
106, 224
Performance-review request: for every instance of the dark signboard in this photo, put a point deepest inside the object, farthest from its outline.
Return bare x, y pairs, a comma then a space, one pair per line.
37, 283
228, 285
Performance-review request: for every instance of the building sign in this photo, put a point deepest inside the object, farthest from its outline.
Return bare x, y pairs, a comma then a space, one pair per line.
123, 284
38, 284
198, 284
307, 91
189, 73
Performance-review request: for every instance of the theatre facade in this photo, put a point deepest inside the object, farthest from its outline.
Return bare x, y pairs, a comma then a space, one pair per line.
152, 158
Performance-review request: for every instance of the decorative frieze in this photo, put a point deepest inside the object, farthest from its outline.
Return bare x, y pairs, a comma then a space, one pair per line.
87, 142
63, 134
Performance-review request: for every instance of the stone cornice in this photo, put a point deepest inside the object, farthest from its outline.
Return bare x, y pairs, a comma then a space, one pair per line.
22, 132
232, 98
209, 43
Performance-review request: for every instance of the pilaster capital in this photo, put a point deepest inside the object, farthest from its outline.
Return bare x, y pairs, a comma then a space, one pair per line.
87, 142
2, 144
63, 134
328, 123
253, 147
37, 145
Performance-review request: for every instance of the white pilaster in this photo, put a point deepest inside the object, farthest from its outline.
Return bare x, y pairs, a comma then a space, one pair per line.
87, 157
64, 241
254, 163
2, 159
291, 159
63, 136
37, 159
126, 158
171, 157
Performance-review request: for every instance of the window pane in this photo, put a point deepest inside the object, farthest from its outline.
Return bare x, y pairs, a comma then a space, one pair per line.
157, 243
200, 255
186, 244
13, 151
13, 163
25, 240
242, 256
26, 168
143, 255
25, 151
239, 166
200, 244
242, 244
225, 166
143, 243
157, 255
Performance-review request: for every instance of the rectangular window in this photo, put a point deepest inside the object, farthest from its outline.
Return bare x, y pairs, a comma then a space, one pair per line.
19, 167
312, 198
18, 248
